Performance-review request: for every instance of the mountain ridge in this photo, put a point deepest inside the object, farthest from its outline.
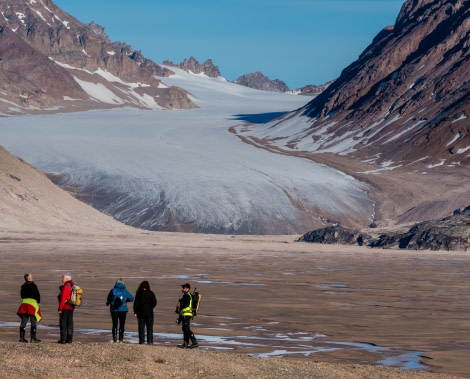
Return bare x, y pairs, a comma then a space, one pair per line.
255, 80
79, 53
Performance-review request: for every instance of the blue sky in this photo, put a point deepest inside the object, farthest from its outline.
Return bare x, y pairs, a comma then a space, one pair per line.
297, 41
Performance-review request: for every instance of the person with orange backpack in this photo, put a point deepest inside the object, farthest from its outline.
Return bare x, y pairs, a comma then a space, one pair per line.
66, 309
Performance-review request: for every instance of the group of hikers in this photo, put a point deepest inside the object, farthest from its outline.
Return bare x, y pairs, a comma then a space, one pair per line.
144, 303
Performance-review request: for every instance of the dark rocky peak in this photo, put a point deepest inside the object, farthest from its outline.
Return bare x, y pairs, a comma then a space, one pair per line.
99, 31
312, 90
258, 81
192, 65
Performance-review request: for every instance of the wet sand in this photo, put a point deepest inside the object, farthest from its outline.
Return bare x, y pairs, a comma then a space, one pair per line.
262, 295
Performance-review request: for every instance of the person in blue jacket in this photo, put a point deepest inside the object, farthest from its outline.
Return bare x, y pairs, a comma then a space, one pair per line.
117, 300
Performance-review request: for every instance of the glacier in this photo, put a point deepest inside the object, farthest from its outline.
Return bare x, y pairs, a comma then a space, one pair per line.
183, 170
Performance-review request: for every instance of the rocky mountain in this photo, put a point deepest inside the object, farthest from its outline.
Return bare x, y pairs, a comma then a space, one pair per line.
407, 97
312, 90
448, 233
258, 81
50, 61
192, 65
408, 94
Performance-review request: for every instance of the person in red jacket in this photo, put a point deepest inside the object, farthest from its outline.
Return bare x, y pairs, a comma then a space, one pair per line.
66, 310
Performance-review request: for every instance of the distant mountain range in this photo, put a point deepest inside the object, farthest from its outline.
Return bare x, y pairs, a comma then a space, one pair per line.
254, 80
396, 119
51, 61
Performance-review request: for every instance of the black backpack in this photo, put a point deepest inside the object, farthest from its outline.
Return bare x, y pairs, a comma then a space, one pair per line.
115, 299
196, 301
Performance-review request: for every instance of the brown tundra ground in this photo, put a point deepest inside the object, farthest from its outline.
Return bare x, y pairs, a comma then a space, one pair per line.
271, 307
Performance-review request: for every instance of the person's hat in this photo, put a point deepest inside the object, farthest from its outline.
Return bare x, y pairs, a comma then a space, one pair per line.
186, 285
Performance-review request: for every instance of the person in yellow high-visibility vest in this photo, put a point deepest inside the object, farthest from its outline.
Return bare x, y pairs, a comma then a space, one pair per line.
184, 307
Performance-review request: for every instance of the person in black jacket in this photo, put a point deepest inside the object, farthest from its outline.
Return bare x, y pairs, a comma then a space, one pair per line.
144, 302
29, 308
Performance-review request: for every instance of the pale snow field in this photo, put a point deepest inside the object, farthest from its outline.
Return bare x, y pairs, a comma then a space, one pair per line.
185, 159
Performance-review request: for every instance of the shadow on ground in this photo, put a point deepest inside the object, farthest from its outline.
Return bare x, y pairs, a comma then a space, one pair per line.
258, 118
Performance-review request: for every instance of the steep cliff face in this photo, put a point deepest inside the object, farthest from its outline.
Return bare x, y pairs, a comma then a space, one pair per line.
50, 59
407, 97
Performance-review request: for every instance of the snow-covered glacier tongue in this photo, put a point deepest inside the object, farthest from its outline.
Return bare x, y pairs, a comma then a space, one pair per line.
183, 170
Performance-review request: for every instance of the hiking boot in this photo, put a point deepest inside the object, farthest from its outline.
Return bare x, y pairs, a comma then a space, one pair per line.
183, 345
33, 336
22, 332
193, 341
61, 341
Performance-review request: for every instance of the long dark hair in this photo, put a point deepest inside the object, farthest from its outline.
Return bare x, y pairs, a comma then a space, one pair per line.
144, 286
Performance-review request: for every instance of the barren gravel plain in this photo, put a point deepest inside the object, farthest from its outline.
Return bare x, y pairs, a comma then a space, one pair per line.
271, 308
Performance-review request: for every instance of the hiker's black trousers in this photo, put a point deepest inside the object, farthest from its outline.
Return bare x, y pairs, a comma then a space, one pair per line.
187, 333
119, 317
66, 325
142, 323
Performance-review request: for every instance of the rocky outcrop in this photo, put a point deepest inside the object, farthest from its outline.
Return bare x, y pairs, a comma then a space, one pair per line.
449, 233
148, 65
192, 65
54, 62
336, 235
258, 81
